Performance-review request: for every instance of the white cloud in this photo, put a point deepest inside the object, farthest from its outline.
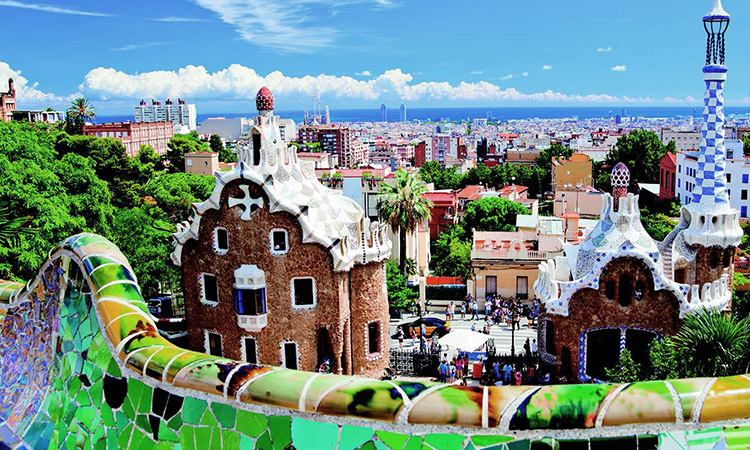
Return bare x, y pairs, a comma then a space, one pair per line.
621, 68
240, 82
28, 95
546, 67
477, 72
364, 73
287, 26
179, 19
139, 46
507, 77
51, 9
525, 74
604, 49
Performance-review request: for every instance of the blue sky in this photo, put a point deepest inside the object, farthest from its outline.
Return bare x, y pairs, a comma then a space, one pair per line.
360, 53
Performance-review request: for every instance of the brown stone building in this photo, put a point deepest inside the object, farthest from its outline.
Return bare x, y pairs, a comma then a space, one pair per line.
8, 102
280, 270
618, 289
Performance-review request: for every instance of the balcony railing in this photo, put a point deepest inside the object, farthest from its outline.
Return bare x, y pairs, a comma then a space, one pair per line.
252, 323
742, 267
531, 255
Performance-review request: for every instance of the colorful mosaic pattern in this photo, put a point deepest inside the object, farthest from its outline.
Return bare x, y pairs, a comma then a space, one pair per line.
82, 366
711, 181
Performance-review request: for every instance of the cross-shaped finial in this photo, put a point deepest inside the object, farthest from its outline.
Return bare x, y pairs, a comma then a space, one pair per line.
246, 202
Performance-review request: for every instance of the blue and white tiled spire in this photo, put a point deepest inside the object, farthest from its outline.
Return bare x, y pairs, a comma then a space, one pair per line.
712, 219
710, 189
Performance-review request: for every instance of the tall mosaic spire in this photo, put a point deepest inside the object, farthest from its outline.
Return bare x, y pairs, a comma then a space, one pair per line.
708, 219
710, 183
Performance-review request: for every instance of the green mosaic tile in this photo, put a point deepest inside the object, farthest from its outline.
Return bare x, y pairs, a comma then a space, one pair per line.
86, 416
311, 435
82, 398
225, 414
111, 441
95, 393
121, 420
124, 437
415, 443
113, 369
264, 442
369, 446
281, 433
521, 444
395, 441
485, 441
208, 418
203, 438
215, 443
127, 408
230, 440
352, 437
444, 441
251, 424
380, 446
192, 410
187, 438
175, 422
166, 434
246, 443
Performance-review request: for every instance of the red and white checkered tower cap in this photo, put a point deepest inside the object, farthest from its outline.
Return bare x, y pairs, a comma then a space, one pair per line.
264, 100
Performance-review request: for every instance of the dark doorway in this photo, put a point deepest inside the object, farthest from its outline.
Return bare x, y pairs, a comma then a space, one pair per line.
625, 290
566, 368
325, 347
251, 350
549, 335
679, 276
638, 341
290, 355
256, 149
214, 344
602, 351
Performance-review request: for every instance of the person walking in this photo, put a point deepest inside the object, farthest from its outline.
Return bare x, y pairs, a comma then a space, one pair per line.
443, 370
507, 372
459, 368
400, 336
533, 348
452, 308
527, 348
474, 310
413, 337
463, 311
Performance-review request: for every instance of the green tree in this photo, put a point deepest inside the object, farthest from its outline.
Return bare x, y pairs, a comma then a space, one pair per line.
400, 294
177, 147
641, 151
217, 146
626, 370
492, 214
451, 253
144, 235
174, 193
403, 207
662, 360
711, 344
79, 111
658, 226
11, 228
746, 145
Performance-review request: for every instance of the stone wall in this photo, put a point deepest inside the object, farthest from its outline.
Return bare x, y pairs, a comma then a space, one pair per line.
249, 244
369, 304
591, 308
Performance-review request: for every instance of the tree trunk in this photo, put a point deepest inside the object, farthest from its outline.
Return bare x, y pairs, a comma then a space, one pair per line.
402, 250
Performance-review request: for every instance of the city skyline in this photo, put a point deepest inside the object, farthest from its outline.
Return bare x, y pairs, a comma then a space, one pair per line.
361, 53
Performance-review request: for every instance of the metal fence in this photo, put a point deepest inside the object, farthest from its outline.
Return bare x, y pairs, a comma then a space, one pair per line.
408, 362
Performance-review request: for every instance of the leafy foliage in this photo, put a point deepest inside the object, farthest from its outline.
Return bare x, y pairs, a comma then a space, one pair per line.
658, 226
173, 193
493, 214
641, 151
451, 253
626, 371
178, 146
217, 146
400, 295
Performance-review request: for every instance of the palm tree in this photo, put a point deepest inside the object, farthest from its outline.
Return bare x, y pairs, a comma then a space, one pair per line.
81, 110
403, 207
12, 228
712, 344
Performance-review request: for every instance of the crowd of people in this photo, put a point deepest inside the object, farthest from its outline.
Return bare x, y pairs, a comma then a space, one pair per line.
497, 311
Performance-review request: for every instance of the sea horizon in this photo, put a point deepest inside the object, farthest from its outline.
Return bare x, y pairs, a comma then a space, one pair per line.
470, 113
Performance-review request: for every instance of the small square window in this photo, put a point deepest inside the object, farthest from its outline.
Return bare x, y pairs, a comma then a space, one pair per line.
303, 293
209, 289
743, 195
745, 178
279, 241
213, 344
221, 240
251, 350
373, 338
729, 178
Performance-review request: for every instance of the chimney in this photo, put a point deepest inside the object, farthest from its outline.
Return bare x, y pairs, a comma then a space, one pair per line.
11, 88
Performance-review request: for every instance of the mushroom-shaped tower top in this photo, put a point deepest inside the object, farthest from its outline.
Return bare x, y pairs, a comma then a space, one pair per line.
620, 176
717, 13
264, 100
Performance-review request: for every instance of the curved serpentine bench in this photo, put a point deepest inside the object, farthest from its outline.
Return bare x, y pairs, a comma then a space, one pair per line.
83, 366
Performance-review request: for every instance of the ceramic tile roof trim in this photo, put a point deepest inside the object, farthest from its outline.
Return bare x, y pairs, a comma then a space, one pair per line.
371, 245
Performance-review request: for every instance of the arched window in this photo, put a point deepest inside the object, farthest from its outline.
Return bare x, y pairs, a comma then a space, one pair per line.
713, 260
609, 290
727, 258
640, 289
625, 290
256, 148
